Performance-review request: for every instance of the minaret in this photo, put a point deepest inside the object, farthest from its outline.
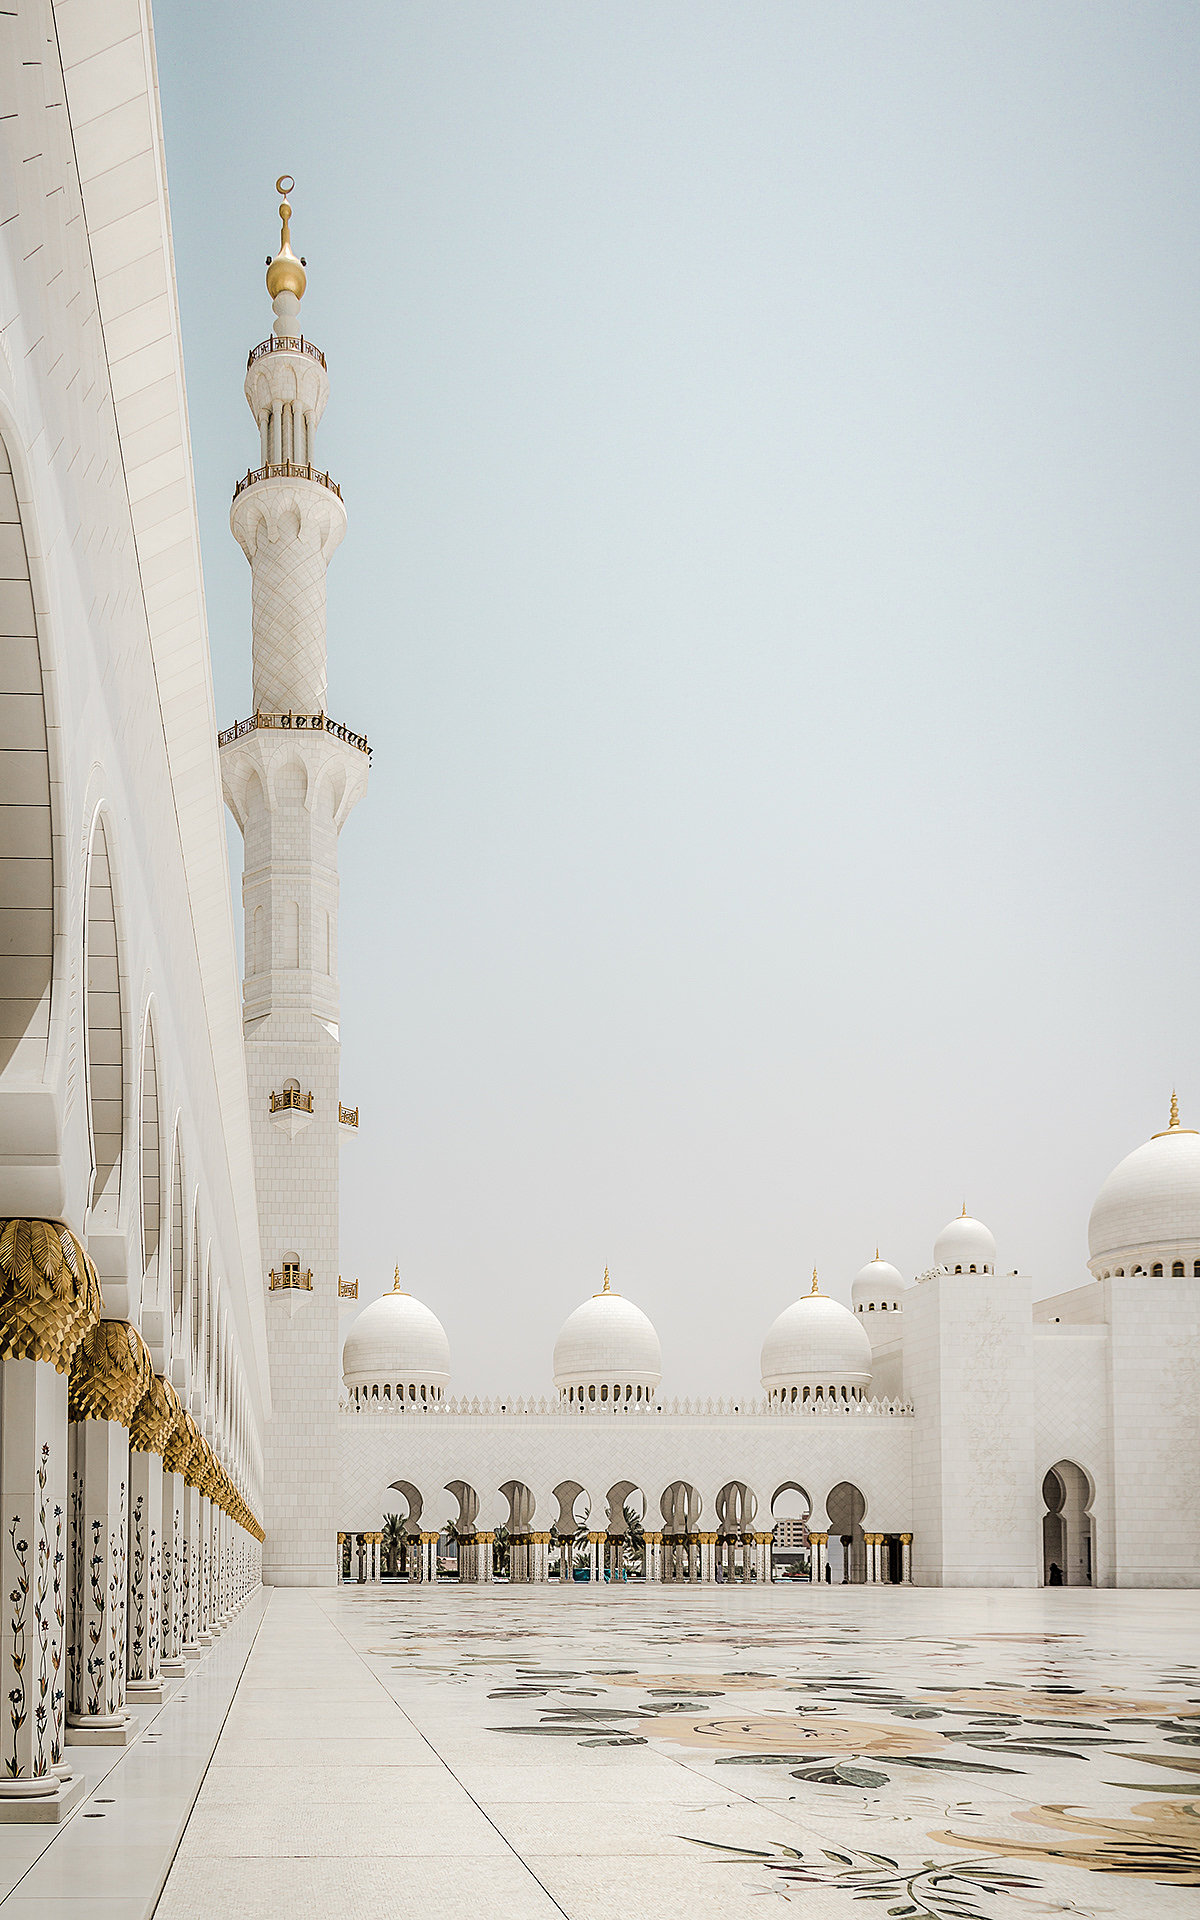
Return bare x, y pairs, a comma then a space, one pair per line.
291, 776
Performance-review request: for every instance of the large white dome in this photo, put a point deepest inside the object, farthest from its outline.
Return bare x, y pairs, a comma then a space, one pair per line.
816, 1344
607, 1351
396, 1344
965, 1246
1148, 1210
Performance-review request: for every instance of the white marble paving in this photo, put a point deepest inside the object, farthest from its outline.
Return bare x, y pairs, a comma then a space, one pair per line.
965, 1724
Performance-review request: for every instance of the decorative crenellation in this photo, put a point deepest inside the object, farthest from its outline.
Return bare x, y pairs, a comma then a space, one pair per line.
518, 1405
110, 1372
49, 1292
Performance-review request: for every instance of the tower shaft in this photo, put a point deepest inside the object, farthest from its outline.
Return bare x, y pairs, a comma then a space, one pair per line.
291, 778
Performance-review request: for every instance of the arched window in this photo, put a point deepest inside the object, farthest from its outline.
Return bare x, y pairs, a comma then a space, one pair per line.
1156, 1272
592, 1392
958, 1269
1177, 1270
604, 1392
883, 1306
871, 1308
972, 1268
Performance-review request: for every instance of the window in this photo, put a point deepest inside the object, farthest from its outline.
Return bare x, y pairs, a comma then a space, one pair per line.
972, 1269
1156, 1272
1177, 1270
871, 1308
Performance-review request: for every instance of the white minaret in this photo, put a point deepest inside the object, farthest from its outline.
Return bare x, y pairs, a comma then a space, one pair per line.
291, 776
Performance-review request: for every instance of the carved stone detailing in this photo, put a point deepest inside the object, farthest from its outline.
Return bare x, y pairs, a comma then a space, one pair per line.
197, 1461
156, 1417
110, 1372
49, 1292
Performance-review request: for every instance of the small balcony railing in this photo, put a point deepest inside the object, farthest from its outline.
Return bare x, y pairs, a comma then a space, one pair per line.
290, 1276
293, 723
291, 1097
347, 1116
347, 1289
272, 345
285, 470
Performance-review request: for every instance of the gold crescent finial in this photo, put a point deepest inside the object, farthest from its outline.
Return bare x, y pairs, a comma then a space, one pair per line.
1174, 1109
815, 1287
606, 1287
285, 274
396, 1287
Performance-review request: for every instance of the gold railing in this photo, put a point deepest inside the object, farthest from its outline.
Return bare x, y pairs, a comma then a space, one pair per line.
291, 1276
272, 345
347, 1289
286, 470
291, 1097
294, 723
347, 1116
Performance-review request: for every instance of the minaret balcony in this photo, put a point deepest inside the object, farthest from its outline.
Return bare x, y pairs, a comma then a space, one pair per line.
294, 344
294, 722
290, 1279
285, 470
348, 1117
291, 1111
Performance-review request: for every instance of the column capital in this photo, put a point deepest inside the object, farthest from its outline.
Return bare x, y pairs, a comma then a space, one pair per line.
818, 1539
906, 1539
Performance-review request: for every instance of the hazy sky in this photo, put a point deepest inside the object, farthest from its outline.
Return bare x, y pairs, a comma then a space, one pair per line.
769, 436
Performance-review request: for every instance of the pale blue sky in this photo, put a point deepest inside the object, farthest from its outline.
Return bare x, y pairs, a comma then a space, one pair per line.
769, 435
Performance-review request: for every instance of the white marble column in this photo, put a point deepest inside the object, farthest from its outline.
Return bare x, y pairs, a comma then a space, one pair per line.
595, 1549
174, 1625
189, 1571
484, 1542
906, 1559
652, 1555
818, 1544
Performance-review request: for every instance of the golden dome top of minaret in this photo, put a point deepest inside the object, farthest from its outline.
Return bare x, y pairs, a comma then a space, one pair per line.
285, 273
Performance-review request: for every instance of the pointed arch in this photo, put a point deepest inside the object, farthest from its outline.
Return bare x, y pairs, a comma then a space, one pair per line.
26, 865
105, 1047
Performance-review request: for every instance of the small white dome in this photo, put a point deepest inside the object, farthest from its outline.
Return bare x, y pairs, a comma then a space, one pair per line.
1149, 1207
608, 1344
816, 1342
398, 1343
965, 1246
877, 1288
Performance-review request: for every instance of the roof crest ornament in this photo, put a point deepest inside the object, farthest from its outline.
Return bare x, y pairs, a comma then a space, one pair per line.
286, 278
396, 1287
815, 1287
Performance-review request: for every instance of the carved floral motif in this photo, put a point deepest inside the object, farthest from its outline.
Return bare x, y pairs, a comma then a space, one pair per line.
49, 1292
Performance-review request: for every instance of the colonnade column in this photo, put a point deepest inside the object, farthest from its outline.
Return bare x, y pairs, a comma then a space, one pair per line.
818, 1544
341, 1558
765, 1542
485, 1543
708, 1567
468, 1560
541, 1557
595, 1546
870, 1542
174, 1630
906, 1559
652, 1555
155, 1419
110, 1372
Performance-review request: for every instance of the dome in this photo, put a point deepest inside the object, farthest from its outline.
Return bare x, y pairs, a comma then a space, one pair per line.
816, 1346
877, 1288
1150, 1204
607, 1351
397, 1347
965, 1246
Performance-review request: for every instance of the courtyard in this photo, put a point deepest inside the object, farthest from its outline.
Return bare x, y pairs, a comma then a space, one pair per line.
531, 1752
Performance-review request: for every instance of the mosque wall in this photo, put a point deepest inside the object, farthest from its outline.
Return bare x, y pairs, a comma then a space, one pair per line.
968, 1372
1071, 1395
1154, 1391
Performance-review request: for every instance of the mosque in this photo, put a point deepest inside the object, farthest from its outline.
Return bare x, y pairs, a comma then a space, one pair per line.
172, 1428
949, 1430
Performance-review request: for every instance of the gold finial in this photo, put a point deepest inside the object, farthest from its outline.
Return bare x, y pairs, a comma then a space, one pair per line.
285, 274
877, 1256
963, 1214
1174, 1109
396, 1287
815, 1287
606, 1288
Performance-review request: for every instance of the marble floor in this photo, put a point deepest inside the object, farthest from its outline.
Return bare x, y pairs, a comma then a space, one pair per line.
530, 1751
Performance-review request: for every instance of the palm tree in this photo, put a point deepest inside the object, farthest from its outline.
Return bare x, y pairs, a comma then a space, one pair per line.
393, 1540
635, 1538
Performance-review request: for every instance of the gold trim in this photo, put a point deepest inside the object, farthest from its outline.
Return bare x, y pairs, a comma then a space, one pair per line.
285, 274
157, 1415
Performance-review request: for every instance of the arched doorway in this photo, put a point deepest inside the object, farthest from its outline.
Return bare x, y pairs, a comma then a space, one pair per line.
847, 1560
1068, 1541
791, 1554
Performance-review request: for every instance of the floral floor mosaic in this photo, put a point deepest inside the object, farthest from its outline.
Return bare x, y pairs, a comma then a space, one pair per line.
956, 1755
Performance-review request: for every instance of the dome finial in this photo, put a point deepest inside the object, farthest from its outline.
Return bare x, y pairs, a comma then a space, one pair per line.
1174, 1109
963, 1214
877, 1253
396, 1287
815, 1287
606, 1288
286, 278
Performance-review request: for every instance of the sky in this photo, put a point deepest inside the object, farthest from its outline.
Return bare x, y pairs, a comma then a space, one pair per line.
769, 438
